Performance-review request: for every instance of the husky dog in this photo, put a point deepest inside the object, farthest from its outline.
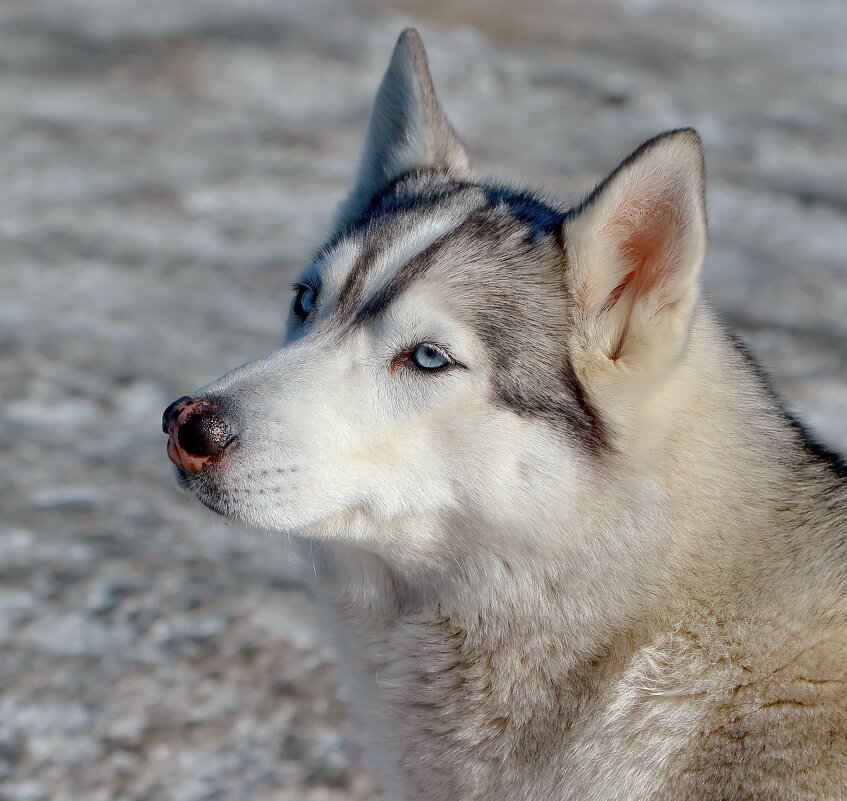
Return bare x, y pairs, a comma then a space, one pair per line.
573, 546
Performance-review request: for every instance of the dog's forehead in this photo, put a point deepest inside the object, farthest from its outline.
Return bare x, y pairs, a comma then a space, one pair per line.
493, 259
454, 234
368, 252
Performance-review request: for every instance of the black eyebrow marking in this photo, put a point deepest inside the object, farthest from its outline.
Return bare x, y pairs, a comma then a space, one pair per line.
352, 291
354, 286
539, 216
416, 267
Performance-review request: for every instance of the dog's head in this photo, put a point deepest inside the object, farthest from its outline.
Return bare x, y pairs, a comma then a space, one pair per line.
460, 356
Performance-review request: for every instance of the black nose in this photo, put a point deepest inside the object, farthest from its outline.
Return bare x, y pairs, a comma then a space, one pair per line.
197, 429
204, 433
172, 412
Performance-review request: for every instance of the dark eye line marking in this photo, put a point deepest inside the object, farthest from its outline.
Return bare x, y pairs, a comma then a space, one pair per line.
300, 288
404, 359
414, 269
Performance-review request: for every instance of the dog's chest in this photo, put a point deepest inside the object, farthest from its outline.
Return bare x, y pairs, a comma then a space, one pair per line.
502, 710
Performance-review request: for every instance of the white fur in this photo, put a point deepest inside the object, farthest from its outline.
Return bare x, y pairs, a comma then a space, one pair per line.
522, 618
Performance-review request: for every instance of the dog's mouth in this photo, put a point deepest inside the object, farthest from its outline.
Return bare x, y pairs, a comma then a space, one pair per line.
239, 495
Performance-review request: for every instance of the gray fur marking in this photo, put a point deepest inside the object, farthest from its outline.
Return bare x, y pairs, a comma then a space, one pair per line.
503, 265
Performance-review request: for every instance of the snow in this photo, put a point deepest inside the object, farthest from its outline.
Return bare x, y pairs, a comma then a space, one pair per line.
167, 168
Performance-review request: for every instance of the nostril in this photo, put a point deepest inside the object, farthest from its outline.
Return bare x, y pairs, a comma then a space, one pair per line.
204, 434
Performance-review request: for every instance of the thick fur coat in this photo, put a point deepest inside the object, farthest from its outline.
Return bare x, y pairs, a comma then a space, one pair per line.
571, 546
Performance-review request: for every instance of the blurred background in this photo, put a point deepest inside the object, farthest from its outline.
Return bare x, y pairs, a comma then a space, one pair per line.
166, 169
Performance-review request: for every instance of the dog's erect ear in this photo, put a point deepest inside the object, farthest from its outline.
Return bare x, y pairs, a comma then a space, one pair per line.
634, 251
407, 128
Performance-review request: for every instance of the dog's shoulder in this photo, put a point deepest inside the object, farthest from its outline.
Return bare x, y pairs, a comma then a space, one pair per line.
744, 705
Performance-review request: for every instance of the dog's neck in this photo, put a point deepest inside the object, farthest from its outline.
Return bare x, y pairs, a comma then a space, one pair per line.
691, 535
580, 594
743, 493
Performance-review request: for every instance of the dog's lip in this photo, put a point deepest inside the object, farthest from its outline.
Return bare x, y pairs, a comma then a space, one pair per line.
185, 461
195, 464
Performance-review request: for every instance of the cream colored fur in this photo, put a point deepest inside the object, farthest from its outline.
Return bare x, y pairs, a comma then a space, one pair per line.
524, 619
716, 671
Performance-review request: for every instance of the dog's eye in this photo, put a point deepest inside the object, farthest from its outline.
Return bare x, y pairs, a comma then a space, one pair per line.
429, 357
305, 301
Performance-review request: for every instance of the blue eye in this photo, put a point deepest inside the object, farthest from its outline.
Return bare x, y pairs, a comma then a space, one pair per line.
429, 357
304, 303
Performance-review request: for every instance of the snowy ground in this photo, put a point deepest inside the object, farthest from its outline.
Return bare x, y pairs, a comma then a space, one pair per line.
166, 167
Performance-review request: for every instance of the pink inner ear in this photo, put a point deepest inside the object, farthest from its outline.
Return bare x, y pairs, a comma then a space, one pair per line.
649, 231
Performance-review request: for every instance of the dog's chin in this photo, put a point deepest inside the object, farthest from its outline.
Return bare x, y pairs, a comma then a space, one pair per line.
184, 479
212, 499
207, 492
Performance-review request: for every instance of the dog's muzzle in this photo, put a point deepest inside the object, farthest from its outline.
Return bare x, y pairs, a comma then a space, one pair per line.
198, 430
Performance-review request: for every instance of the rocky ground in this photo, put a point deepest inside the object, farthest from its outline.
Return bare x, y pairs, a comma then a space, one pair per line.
166, 167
